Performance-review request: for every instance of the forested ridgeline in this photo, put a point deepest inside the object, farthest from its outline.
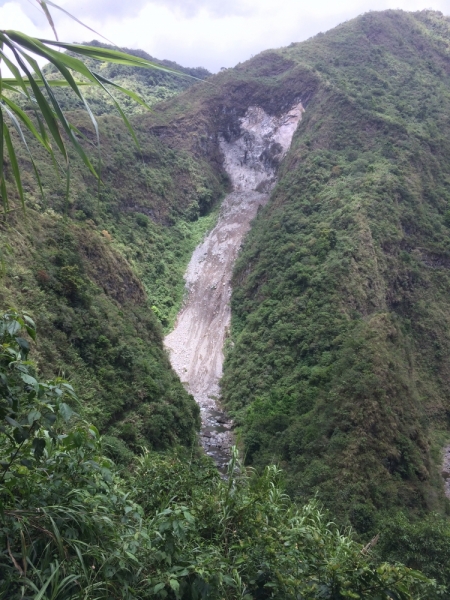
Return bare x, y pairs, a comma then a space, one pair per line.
340, 367
337, 366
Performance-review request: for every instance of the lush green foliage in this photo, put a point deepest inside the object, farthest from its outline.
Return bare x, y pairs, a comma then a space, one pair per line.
73, 528
100, 329
102, 280
340, 367
100, 332
50, 124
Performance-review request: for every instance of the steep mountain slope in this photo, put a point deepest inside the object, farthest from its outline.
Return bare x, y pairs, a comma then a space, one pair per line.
340, 362
337, 362
101, 272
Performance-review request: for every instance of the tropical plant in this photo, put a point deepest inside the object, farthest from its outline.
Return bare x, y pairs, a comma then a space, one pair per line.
50, 126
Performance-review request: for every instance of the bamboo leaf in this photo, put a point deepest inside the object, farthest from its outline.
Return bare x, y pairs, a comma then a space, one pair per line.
16, 110
122, 114
75, 19
113, 56
129, 93
13, 68
44, 107
44, 7
13, 83
62, 119
52, 122
16, 124
59, 61
4, 194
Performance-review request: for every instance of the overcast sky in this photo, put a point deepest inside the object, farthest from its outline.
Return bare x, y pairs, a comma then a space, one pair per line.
208, 33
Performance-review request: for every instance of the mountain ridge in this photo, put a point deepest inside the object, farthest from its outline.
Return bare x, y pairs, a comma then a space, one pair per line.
337, 362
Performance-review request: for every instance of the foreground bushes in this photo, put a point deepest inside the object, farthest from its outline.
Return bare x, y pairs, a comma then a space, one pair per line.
74, 527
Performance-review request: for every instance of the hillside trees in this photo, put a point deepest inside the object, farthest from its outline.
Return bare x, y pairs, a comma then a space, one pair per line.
73, 527
93, 310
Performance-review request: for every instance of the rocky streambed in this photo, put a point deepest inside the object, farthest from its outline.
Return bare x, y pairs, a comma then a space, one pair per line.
196, 343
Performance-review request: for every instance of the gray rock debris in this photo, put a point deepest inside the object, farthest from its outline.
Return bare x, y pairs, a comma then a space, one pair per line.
251, 160
196, 343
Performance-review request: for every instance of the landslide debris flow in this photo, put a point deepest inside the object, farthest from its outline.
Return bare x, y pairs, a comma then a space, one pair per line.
196, 343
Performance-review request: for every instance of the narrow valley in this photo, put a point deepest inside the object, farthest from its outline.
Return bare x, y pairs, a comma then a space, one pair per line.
197, 341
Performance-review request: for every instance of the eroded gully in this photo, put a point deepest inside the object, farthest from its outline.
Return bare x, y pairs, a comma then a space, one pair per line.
196, 343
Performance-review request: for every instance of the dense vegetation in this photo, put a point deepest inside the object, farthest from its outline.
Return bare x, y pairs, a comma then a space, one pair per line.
72, 527
101, 273
338, 368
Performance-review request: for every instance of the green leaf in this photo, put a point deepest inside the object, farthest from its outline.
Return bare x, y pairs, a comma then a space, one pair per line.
29, 320
74, 19
13, 327
34, 415
38, 447
31, 332
12, 83
20, 434
41, 593
14, 111
41, 139
188, 517
28, 379
24, 344
44, 7
111, 56
66, 412
174, 585
13, 422
44, 107
129, 93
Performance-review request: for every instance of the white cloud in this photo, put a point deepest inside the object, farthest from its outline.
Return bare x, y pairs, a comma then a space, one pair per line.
210, 33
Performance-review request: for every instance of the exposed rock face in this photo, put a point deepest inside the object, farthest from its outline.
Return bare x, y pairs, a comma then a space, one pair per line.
196, 343
252, 159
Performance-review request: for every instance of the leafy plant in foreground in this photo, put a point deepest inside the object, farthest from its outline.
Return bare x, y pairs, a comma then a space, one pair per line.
72, 527
50, 124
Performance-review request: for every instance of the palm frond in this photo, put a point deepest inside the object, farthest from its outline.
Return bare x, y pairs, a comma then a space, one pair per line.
51, 128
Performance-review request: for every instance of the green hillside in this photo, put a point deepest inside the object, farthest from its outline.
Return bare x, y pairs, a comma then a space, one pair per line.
101, 272
340, 366
337, 366
152, 85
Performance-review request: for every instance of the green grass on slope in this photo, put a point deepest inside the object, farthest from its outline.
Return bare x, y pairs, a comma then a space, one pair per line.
341, 322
